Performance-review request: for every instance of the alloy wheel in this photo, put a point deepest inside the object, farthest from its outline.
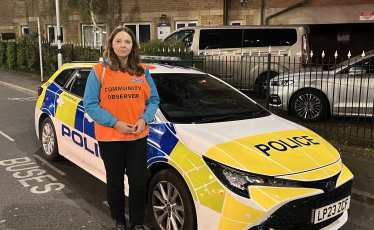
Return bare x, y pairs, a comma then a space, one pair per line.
308, 106
48, 139
168, 206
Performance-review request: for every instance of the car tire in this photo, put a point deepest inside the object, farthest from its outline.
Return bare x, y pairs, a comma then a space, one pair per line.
309, 105
163, 210
262, 82
48, 140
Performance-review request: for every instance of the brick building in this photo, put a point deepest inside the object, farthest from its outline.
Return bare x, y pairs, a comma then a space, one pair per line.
144, 16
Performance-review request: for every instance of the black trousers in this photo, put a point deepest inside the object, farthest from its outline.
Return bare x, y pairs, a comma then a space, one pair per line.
131, 156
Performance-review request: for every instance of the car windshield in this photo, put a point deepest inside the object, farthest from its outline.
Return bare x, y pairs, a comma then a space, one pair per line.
350, 61
200, 98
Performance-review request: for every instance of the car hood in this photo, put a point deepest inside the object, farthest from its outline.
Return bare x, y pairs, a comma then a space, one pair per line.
269, 146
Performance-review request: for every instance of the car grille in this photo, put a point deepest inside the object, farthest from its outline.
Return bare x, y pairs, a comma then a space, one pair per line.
297, 214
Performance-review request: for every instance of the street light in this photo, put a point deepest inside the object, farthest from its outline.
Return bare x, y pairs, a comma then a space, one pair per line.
59, 38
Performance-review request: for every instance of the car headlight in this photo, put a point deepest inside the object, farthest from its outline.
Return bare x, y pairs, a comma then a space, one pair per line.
238, 181
282, 83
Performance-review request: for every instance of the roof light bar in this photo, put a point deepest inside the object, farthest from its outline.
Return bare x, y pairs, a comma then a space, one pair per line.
159, 58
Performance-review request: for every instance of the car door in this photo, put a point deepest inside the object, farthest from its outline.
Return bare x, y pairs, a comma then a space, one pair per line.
70, 114
354, 92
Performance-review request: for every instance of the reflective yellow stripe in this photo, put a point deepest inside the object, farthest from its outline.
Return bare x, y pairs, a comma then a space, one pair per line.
345, 175
262, 199
281, 194
66, 113
226, 224
236, 210
334, 169
220, 156
185, 158
201, 176
295, 177
314, 175
191, 187
212, 196
41, 99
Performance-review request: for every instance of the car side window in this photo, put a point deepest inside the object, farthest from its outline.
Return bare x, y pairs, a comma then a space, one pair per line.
220, 38
63, 77
269, 37
77, 83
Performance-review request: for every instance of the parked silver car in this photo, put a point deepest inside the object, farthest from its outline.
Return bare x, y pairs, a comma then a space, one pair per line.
346, 89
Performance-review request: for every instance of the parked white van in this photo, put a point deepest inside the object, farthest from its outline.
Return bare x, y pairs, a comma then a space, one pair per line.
244, 51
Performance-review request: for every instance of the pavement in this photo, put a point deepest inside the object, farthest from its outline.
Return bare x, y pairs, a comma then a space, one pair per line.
361, 166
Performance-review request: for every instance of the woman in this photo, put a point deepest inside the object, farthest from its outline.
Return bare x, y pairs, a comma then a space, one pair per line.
122, 99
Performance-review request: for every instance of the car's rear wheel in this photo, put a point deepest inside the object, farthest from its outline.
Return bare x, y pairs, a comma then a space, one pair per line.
49, 140
309, 105
263, 82
170, 202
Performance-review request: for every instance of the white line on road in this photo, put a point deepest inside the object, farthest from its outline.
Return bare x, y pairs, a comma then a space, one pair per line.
126, 215
49, 165
8, 137
22, 89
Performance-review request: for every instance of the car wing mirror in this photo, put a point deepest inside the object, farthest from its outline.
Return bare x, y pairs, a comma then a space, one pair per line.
357, 70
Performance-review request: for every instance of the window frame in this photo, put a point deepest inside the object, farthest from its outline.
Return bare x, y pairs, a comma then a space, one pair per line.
186, 23
236, 21
137, 28
94, 37
54, 28
23, 29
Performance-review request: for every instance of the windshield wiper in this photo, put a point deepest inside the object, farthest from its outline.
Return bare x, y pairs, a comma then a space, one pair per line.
210, 119
258, 113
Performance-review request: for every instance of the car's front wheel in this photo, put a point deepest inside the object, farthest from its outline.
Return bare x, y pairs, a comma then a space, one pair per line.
309, 105
49, 140
170, 202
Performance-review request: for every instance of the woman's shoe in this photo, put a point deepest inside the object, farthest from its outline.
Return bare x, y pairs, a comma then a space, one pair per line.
137, 227
120, 226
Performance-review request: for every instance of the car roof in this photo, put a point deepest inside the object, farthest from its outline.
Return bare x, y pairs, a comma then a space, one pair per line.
154, 68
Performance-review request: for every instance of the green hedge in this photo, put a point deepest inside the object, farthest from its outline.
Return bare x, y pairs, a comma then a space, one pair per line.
23, 54
161, 48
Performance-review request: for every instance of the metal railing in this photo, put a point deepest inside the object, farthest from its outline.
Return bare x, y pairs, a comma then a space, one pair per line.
334, 97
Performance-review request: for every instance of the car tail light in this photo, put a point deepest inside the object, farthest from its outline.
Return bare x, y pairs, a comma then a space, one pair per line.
304, 51
40, 90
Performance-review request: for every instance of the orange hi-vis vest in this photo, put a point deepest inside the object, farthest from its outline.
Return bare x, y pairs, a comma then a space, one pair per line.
124, 96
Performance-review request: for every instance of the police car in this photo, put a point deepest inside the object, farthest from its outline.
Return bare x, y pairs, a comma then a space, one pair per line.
216, 159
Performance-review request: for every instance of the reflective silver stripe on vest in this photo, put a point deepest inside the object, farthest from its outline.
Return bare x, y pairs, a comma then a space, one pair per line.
102, 76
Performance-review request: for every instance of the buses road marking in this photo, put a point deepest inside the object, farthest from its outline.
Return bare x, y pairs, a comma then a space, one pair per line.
8, 137
49, 165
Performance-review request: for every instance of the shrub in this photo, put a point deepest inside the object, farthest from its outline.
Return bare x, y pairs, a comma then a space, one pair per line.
11, 55
162, 48
2, 54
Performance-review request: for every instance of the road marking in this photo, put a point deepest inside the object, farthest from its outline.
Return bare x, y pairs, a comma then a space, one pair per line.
126, 215
49, 165
28, 91
23, 99
8, 137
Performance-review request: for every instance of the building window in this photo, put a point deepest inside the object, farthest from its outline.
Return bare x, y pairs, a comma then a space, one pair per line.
141, 30
52, 34
25, 30
236, 22
181, 24
91, 36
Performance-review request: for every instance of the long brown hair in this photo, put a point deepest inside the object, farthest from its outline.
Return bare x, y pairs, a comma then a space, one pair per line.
133, 61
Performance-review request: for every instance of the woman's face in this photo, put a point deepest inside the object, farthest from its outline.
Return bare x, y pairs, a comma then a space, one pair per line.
122, 44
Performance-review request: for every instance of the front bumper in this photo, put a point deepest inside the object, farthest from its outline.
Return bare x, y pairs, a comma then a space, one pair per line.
297, 214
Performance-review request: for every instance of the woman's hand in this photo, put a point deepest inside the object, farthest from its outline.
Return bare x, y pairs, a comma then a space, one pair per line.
139, 126
124, 127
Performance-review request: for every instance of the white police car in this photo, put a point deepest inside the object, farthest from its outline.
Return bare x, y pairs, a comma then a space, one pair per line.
216, 159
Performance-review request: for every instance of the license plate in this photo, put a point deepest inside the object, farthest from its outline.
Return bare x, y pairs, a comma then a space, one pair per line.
331, 210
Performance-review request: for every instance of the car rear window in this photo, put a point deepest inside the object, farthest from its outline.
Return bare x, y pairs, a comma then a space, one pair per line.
63, 77
269, 37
